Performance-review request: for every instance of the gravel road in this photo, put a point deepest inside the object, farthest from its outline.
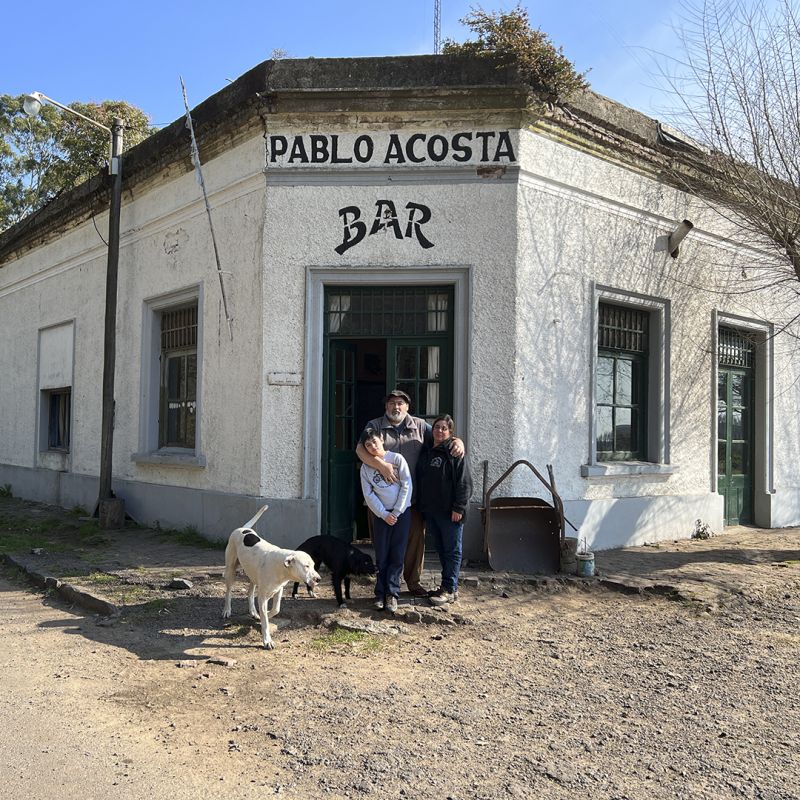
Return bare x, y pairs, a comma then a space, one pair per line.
559, 694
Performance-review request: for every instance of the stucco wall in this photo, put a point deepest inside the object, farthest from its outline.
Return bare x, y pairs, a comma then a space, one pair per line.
534, 243
165, 246
470, 231
583, 220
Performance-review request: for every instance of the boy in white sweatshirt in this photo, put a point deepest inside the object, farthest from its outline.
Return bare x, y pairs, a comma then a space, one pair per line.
390, 502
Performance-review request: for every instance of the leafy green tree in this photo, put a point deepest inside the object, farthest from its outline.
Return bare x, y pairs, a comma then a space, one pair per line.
509, 40
42, 157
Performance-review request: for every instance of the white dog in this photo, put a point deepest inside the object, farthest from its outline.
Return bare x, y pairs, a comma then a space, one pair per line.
269, 569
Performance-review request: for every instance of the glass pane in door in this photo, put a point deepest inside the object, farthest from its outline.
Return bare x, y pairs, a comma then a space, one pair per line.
406, 363
417, 372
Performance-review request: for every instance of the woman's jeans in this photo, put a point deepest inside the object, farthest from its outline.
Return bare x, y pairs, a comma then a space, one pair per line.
390, 550
447, 537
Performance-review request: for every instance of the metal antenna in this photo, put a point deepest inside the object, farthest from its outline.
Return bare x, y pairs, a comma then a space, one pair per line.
437, 26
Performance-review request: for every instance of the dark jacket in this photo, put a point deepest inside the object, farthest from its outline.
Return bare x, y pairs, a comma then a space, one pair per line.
443, 481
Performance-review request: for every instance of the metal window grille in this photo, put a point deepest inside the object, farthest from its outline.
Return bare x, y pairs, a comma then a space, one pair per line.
736, 349
623, 328
179, 328
621, 382
177, 423
388, 311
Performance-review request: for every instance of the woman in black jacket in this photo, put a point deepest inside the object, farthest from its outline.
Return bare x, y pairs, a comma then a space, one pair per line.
444, 487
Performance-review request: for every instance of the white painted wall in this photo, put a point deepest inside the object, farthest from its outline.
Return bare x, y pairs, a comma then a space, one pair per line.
165, 246
532, 244
469, 230
582, 219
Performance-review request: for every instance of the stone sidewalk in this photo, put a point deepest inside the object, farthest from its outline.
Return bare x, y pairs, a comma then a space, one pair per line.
740, 562
106, 570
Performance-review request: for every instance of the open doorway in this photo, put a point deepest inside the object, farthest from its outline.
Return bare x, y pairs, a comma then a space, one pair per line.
377, 338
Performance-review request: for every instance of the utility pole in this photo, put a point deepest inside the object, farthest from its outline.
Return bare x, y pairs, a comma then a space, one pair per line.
437, 26
111, 509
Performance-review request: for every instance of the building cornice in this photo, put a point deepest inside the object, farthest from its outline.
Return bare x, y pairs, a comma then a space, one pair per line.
434, 90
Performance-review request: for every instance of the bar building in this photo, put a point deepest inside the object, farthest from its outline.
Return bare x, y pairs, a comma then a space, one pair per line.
399, 222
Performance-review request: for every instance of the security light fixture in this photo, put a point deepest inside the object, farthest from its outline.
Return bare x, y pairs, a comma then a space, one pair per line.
677, 236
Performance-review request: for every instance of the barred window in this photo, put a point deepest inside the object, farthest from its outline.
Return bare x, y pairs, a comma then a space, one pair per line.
388, 311
177, 423
623, 328
621, 386
735, 348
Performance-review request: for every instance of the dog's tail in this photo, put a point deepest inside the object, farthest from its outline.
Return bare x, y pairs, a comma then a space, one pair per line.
256, 518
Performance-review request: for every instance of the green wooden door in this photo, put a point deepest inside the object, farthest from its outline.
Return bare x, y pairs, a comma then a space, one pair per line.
340, 437
415, 366
735, 443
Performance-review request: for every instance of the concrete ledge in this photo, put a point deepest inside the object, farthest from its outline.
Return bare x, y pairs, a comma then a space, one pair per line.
627, 584
625, 469
85, 598
167, 459
72, 594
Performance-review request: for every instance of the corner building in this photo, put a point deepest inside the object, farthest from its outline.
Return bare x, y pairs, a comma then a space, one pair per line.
399, 222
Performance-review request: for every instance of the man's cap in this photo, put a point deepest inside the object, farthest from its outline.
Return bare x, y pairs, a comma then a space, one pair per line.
397, 393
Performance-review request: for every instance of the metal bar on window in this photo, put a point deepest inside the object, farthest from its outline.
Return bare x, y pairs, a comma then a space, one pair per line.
735, 349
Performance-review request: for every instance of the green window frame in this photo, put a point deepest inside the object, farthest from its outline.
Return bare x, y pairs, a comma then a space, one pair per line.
621, 383
177, 425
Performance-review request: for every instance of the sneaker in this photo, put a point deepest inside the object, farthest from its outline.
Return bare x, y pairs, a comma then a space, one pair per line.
442, 598
418, 592
391, 604
380, 604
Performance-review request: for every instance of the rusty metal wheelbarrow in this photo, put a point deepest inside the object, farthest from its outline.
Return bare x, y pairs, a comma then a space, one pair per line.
523, 534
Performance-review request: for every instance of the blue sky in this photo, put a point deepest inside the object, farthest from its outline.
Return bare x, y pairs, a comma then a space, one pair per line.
137, 51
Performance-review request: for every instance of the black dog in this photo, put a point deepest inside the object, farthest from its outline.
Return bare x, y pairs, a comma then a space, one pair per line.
341, 558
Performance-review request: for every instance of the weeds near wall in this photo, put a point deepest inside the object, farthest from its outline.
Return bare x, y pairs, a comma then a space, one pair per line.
190, 537
702, 530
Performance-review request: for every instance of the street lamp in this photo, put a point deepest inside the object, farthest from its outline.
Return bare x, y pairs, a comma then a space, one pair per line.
111, 509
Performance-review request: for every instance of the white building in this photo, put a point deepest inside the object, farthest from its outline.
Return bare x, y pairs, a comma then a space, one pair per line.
398, 221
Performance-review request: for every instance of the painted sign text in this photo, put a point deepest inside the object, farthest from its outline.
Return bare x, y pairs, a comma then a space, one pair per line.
387, 221
484, 147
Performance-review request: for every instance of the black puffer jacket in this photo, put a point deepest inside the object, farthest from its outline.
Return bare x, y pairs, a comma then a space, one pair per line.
443, 482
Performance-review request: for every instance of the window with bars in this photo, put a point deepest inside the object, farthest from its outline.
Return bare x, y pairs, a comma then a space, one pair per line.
177, 422
384, 311
735, 348
621, 383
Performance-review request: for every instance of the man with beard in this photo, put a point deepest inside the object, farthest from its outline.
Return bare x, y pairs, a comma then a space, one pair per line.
407, 436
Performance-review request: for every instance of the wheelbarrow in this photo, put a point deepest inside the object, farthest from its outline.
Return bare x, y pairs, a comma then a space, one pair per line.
523, 534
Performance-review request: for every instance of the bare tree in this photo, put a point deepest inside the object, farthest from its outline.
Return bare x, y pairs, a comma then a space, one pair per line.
738, 89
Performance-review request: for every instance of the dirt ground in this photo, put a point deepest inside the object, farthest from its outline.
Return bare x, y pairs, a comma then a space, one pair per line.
513, 693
